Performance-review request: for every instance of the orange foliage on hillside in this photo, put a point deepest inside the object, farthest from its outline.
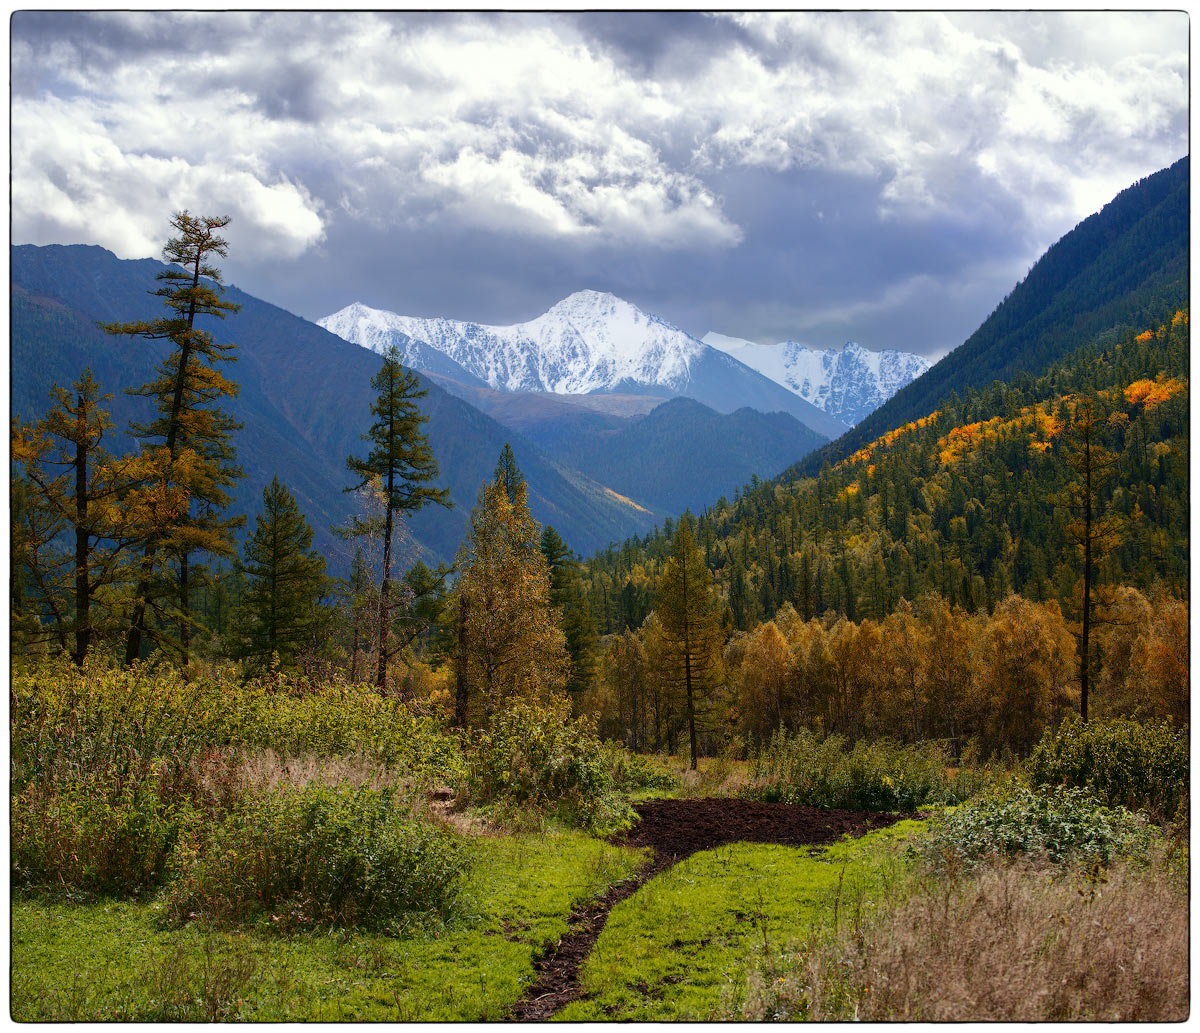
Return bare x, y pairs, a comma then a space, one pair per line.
1037, 421
888, 439
1153, 392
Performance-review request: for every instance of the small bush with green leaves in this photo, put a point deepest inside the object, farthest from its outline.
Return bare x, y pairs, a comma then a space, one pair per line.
1057, 824
803, 768
96, 835
322, 856
636, 773
535, 755
1138, 766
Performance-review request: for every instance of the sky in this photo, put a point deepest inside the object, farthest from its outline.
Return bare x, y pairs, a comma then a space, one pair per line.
823, 177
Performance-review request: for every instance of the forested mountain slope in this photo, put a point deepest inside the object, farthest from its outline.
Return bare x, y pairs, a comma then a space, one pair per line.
967, 501
304, 401
1125, 266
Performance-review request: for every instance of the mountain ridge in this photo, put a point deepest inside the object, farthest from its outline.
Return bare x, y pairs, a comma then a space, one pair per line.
848, 382
1125, 265
589, 342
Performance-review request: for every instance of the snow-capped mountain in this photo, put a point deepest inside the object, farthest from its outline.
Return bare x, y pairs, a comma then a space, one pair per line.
589, 342
848, 383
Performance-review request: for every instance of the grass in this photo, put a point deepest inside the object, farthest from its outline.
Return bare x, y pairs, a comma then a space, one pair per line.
112, 960
1007, 943
681, 947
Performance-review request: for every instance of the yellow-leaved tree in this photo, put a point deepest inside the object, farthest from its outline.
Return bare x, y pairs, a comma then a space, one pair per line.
509, 641
686, 607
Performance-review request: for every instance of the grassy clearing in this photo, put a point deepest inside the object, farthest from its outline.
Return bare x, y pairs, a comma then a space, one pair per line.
112, 960
1007, 943
681, 947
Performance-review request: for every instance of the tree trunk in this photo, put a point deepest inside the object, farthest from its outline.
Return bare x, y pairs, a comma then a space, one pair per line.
384, 591
460, 674
1087, 586
185, 610
83, 593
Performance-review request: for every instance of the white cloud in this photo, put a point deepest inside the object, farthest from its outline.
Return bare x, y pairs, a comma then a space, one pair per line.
524, 126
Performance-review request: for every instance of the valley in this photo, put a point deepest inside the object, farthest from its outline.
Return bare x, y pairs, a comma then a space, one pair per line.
387, 668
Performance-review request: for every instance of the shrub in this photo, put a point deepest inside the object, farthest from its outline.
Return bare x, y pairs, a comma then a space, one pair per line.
634, 772
110, 768
800, 767
1058, 825
1122, 762
67, 720
89, 835
320, 855
535, 755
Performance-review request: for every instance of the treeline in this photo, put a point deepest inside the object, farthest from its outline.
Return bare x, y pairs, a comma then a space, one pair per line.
984, 684
973, 502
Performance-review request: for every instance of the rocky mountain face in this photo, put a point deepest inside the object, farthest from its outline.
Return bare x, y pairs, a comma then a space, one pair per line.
590, 342
848, 383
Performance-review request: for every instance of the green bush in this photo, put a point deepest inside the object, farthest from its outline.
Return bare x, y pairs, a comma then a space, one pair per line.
535, 755
65, 721
1054, 824
803, 768
1137, 766
98, 836
322, 856
636, 773
108, 765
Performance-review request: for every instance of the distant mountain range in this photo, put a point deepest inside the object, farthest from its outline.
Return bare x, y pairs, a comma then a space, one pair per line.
304, 401
848, 383
588, 343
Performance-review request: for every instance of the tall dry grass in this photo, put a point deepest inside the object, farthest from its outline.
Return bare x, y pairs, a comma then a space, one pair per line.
1009, 944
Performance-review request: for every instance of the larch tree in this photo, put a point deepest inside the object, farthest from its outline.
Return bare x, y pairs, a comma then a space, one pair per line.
402, 465
74, 489
686, 606
510, 643
283, 576
190, 438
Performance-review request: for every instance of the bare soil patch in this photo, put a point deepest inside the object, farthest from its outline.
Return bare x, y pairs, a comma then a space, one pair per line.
674, 830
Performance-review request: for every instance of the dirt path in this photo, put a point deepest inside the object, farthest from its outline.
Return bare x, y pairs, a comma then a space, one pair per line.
674, 830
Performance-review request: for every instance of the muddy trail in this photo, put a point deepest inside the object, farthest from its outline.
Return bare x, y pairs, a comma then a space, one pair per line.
674, 830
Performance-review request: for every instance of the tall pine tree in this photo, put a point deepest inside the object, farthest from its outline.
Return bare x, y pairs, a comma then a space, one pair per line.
686, 607
73, 489
509, 640
567, 596
401, 463
189, 439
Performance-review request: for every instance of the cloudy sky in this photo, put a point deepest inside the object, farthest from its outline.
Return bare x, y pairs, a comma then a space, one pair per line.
885, 178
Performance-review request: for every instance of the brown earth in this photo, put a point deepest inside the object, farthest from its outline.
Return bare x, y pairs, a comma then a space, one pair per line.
674, 830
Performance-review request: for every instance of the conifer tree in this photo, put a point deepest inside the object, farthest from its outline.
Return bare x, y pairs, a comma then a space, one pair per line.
190, 437
566, 596
283, 577
685, 604
510, 642
402, 464
73, 487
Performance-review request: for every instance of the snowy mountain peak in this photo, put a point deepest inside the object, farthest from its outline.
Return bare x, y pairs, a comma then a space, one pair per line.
589, 341
848, 382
